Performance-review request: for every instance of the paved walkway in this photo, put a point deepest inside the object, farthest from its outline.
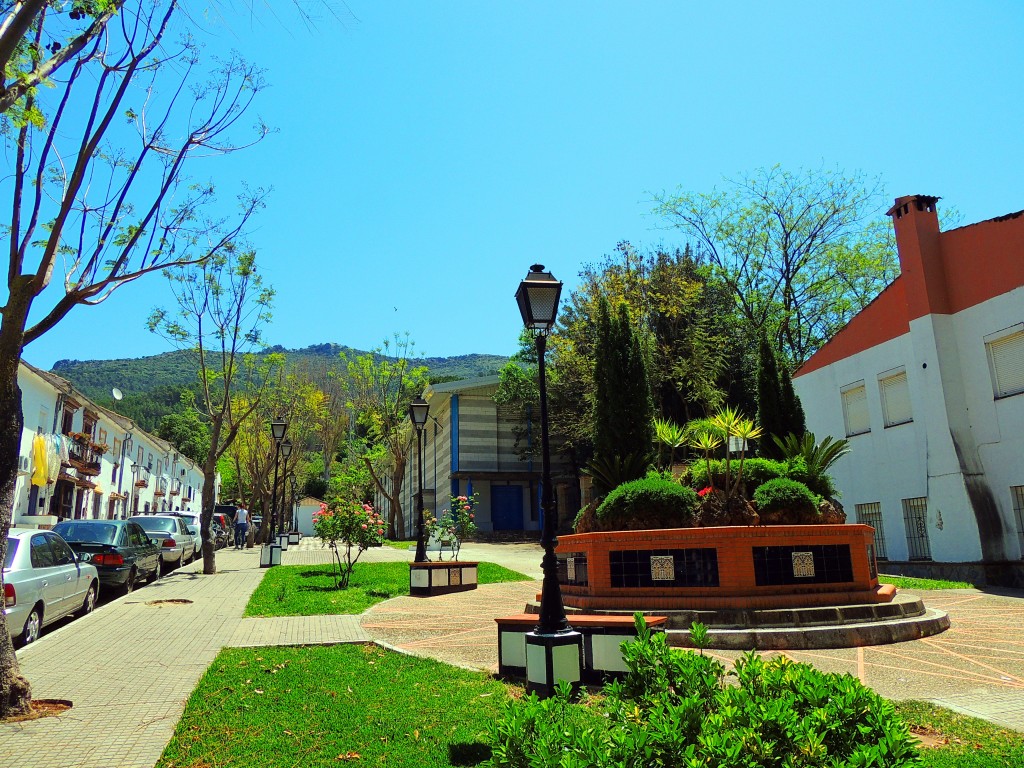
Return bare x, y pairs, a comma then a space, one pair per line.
130, 666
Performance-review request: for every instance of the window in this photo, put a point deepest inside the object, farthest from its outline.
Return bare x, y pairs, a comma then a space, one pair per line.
1006, 362
40, 553
915, 518
895, 399
44, 420
871, 514
141, 455
855, 409
1017, 491
101, 437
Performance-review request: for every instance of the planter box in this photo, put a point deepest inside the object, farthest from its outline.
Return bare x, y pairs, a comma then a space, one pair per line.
603, 636
429, 579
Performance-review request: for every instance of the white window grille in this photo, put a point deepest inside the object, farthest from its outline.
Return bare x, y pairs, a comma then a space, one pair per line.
1017, 491
1006, 362
895, 399
855, 409
871, 514
915, 518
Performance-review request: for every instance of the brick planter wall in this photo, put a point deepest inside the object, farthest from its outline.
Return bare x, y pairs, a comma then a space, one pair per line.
778, 566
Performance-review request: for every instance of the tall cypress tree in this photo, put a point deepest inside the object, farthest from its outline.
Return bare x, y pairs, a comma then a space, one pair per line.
770, 405
778, 408
623, 407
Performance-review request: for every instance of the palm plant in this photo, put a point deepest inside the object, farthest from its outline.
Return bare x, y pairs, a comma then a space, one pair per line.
668, 434
706, 441
732, 423
817, 456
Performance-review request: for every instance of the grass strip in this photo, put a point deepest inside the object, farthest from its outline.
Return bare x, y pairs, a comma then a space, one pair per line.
909, 582
319, 706
308, 590
963, 742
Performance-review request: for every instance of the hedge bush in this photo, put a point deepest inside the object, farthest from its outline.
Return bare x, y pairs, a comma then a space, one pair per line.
675, 708
822, 485
783, 493
756, 471
648, 503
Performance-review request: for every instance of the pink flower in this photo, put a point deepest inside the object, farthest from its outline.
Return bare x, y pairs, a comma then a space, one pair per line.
363, 526
704, 492
466, 507
472, 516
380, 531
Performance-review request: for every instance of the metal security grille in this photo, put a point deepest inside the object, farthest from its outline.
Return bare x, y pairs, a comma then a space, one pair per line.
871, 514
1017, 491
915, 518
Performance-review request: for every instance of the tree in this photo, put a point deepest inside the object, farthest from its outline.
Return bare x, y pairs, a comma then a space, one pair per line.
222, 306
93, 207
384, 382
801, 252
778, 407
185, 430
623, 408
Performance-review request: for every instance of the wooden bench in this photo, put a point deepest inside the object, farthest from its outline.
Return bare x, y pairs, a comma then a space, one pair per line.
602, 636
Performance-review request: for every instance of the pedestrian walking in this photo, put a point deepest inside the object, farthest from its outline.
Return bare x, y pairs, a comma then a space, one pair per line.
241, 526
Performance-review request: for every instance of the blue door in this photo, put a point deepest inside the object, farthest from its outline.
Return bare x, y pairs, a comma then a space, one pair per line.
507, 507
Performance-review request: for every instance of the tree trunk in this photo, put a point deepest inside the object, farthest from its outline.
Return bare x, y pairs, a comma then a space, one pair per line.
15, 691
206, 513
396, 523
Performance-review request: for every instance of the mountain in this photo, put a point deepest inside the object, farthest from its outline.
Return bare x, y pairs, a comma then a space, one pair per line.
151, 385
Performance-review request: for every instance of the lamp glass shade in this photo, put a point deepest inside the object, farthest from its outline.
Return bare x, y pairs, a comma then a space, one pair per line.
538, 297
286, 448
418, 410
277, 428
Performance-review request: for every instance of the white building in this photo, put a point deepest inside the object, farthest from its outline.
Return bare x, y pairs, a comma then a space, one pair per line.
94, 463
927, 382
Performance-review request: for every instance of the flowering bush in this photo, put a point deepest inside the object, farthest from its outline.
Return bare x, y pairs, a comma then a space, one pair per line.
455, 524
344, 526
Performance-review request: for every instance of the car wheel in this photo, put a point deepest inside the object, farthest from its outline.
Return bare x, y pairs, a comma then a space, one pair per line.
129, 583
155, 573
33, 626
90, 601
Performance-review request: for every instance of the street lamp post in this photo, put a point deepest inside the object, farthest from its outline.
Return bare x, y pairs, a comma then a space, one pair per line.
418, 410
554, 650
268, 555
293, 534
282, 535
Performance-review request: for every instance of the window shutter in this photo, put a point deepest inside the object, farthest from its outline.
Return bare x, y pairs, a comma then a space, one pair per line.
896, 399
1007, 357
855, 410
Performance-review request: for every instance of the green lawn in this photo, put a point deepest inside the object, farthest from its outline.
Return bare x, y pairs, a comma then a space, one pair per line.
308, 590
908, 582
402, 545
970, 743
319, 706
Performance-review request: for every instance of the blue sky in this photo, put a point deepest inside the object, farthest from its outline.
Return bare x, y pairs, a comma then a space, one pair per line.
428, 153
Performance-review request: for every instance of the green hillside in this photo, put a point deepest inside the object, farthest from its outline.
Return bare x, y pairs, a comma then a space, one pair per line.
152, 385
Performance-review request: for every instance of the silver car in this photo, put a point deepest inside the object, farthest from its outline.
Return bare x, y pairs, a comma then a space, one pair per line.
170, 533
44, 581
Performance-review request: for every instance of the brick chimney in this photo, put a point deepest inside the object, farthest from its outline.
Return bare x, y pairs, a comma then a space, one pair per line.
917, 240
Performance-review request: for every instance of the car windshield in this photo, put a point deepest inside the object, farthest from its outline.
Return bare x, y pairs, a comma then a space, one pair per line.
12, 547
93, 533
156, 524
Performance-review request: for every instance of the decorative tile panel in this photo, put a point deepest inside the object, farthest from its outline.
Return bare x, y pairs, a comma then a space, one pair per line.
663, 568
572, 568
803, 565
682, 568
456, 577
831, 564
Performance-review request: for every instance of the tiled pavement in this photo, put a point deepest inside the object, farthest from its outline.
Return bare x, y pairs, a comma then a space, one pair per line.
152, 655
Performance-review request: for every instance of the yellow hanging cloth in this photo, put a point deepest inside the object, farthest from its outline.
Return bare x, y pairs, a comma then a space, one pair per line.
39, 463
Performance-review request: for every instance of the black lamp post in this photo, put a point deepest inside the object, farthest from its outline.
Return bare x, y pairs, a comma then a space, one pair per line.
418, 410
553, 649
286, 452
295, 518
278, 428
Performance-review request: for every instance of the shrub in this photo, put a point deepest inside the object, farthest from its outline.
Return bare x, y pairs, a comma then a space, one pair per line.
819, 484
784, 494
648, 503
756, 471
675, 708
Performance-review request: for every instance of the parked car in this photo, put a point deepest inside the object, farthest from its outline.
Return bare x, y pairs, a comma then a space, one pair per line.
121, 550
44, 581
170, 533
197, 539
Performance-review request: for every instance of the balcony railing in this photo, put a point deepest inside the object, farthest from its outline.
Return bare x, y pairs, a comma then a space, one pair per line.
84, 459
142, 476
161, 487
175, 487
